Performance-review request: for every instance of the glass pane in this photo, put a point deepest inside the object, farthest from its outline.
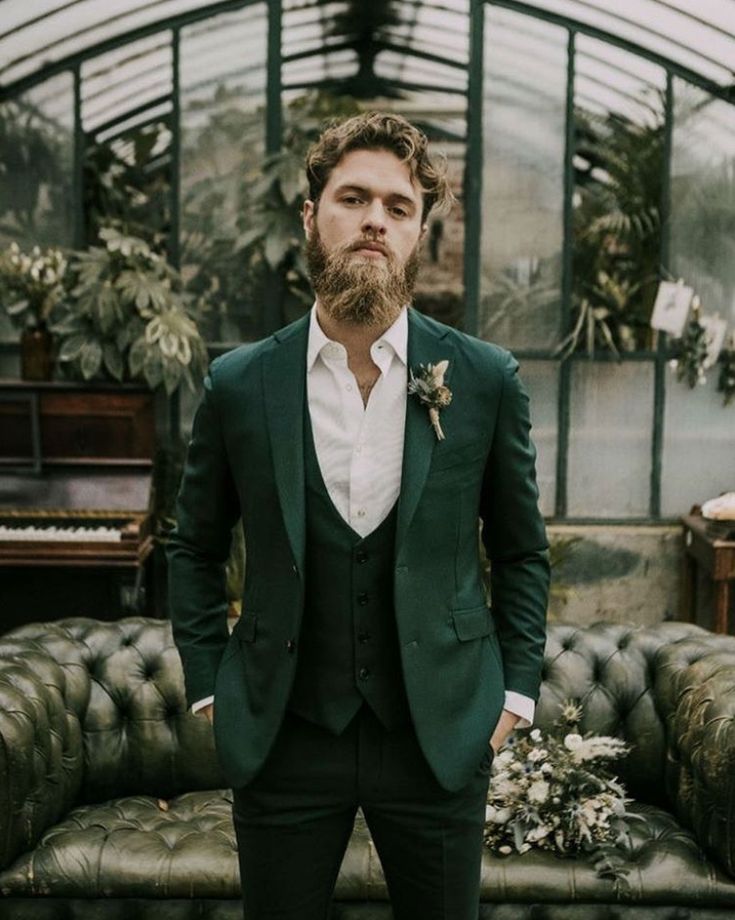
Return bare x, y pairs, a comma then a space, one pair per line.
699, 446
223, 98
439, 286
682, 36
36, 153
522, 183
129, 77
611, 419
618, 173
703, 198
541, 379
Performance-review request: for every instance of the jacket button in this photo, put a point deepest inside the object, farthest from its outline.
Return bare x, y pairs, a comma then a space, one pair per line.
362, 599
363, 637
364, 673
361, 556
290, 646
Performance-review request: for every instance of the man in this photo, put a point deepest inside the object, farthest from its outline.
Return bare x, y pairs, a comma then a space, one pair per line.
366, 668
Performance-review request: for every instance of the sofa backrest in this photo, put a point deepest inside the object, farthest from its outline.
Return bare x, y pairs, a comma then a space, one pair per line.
118, 686
614, 672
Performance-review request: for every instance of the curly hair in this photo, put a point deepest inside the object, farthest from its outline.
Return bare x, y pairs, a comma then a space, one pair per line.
380, 131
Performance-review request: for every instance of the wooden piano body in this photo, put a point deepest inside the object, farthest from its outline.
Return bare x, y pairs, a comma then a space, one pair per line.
75, 493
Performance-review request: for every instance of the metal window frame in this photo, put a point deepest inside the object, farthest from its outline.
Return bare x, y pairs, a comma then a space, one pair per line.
473, 185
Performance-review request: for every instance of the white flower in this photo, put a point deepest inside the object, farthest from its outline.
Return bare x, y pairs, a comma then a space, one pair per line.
538, 791
505, 849
593, 748
537, 754
535, 735
538, 833
504, 788
572, 741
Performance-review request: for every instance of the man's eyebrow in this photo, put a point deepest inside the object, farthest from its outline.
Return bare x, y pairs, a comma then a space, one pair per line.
351, 187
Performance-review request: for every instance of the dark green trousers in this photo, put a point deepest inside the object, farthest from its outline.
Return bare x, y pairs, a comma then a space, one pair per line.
294, 820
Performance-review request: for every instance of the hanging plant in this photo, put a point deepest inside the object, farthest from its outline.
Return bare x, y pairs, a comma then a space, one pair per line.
689, 362
726, 381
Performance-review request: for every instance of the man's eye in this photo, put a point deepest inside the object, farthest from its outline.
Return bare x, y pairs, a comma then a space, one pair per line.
399, 211
352, 199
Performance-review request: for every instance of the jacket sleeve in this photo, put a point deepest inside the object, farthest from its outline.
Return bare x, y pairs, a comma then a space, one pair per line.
515, 540
206, 511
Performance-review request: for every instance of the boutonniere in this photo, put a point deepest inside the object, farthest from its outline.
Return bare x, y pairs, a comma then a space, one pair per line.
428, 384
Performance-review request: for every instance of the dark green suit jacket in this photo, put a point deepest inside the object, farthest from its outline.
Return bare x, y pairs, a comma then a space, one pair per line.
246, 459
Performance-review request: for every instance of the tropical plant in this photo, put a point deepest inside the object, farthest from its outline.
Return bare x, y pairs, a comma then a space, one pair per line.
127, 184
617, 230
34, 164
126, 317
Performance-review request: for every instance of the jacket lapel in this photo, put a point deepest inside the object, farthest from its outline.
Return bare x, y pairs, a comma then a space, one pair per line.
425, 346
284, 382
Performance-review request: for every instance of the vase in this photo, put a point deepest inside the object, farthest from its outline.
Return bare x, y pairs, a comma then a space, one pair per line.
36, 353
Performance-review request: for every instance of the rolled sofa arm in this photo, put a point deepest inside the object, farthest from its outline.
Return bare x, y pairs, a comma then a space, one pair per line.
695, 689
41, 751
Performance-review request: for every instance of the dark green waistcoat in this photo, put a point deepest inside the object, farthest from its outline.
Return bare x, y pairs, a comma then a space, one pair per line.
348, 647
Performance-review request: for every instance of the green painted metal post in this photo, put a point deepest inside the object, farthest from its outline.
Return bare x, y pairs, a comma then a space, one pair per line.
274, 286
79, 224
473, 170
174, 242
565, 368
659, 388
174, 246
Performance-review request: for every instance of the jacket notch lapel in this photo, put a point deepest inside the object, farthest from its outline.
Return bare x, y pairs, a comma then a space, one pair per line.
284, 382
425, 346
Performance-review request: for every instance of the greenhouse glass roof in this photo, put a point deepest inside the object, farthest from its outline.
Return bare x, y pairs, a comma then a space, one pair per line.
417, 41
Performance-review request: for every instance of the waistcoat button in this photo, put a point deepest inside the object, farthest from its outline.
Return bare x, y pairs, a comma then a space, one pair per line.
363, 598
364, 673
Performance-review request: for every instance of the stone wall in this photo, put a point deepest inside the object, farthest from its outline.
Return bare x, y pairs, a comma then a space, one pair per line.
617, 573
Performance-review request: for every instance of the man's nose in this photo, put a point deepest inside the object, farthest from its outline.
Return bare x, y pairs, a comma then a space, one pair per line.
374, 218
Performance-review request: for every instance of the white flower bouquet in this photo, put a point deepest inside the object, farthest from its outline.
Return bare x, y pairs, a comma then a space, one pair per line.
557, 792
31, 284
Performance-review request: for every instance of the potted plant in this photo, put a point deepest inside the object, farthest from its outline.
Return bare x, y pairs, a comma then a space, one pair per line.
31, 287
126, 317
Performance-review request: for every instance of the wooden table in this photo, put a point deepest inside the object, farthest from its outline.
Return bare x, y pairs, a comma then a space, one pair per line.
711, 545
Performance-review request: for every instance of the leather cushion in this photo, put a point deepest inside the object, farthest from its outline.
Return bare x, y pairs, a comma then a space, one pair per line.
132, 847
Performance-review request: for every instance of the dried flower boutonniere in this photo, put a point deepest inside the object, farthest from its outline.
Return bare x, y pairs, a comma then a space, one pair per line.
428, 385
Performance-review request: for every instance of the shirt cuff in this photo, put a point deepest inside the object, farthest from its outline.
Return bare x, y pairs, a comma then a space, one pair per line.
200, 704
522, 706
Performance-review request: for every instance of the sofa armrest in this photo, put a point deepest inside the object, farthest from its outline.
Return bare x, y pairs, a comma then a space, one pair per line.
695, 687
41, 751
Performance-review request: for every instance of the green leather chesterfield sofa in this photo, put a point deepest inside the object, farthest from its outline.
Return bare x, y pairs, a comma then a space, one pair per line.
111, 803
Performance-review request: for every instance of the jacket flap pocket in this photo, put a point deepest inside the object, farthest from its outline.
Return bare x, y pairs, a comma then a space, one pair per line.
473, 622
244, 629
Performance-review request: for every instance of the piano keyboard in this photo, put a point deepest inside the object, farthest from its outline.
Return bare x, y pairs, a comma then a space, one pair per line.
60, 534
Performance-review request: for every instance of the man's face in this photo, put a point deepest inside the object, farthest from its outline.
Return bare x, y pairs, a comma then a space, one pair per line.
362, 241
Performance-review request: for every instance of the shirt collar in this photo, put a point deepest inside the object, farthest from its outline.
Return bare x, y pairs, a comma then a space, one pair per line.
396, 336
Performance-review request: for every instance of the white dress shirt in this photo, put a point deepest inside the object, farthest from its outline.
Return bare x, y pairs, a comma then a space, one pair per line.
360, 448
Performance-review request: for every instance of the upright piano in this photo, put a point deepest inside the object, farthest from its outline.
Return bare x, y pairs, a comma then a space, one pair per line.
75, 497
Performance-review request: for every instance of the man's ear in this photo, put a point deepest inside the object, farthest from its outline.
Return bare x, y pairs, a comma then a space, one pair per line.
424, 230
308, 215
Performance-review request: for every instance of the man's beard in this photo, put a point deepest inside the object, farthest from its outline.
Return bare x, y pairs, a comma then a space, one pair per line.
363, 291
